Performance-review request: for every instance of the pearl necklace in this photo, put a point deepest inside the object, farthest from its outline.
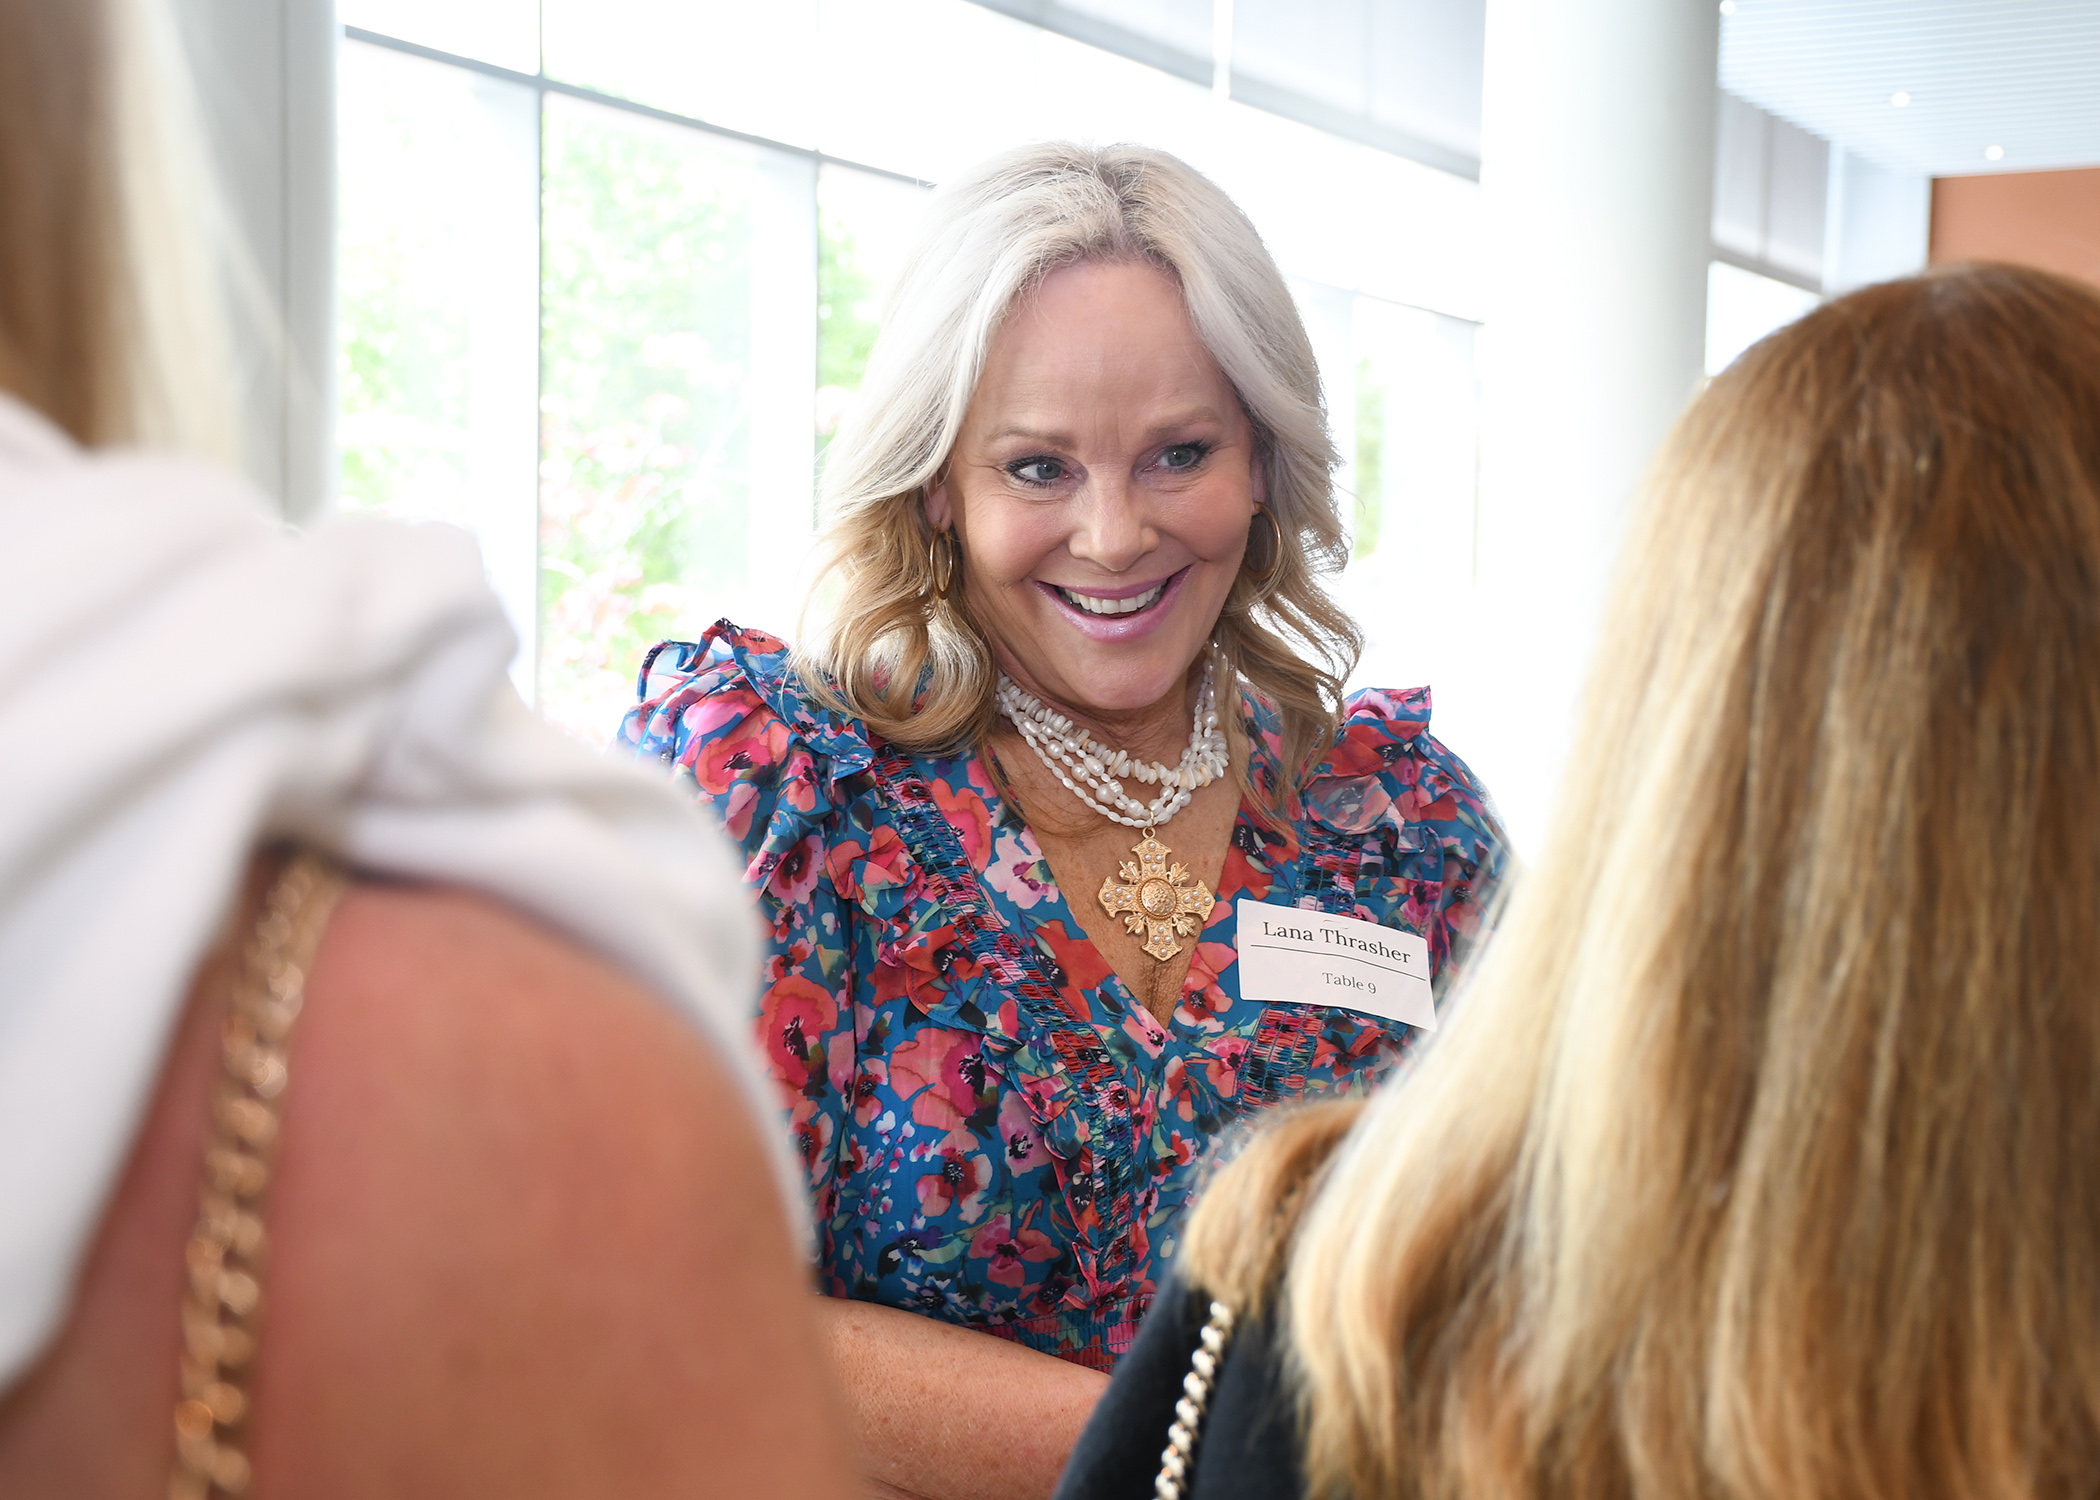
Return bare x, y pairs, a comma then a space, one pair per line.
1156, 900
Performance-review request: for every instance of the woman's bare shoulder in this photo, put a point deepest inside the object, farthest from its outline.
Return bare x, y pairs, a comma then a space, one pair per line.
523, 1236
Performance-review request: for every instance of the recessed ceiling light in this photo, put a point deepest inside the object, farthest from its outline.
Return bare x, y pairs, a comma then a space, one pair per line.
1994, 153
1900, 99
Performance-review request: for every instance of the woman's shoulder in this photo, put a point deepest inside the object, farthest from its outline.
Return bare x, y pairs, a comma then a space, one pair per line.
742, 687
1387, 768
732, 713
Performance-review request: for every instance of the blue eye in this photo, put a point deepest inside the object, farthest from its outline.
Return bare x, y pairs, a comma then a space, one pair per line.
1037, 470
1184, 456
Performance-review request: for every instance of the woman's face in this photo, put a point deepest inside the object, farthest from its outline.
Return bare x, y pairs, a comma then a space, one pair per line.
1101, 489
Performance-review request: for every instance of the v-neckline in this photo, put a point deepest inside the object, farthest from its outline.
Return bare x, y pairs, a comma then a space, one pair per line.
1219, 930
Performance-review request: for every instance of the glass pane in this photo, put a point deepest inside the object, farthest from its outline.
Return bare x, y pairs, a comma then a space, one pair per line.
503, 32
1412, 497
866, 228
680, 367
732, 63
439, 307
927, 87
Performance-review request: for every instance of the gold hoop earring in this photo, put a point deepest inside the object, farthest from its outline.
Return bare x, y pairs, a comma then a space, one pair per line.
941, 562
1272, 567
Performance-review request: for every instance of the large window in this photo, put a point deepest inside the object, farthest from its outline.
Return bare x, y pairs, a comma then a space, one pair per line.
611, 270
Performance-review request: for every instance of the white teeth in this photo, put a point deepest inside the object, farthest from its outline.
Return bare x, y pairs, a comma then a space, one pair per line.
1094, 606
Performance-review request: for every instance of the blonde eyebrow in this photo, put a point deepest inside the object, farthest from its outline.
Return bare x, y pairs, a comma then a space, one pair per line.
1053, 439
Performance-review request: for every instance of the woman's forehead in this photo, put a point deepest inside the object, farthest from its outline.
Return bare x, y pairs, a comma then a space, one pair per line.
1099, 335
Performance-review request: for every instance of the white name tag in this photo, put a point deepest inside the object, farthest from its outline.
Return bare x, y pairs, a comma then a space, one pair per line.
1294, 957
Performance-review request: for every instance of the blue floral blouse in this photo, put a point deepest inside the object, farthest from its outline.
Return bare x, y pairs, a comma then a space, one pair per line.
997, 1133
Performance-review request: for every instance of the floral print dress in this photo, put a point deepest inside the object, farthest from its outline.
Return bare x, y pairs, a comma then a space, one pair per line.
997, 1133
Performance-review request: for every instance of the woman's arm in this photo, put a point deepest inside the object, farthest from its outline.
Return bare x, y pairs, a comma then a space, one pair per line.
947, 1413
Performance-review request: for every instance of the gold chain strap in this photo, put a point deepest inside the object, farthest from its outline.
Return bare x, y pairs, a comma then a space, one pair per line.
1175, 1459
223, 1303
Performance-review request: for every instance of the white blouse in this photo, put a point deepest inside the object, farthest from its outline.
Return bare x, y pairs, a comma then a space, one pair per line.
182, 679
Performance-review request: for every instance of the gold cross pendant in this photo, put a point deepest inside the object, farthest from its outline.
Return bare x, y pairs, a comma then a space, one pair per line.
1161, 901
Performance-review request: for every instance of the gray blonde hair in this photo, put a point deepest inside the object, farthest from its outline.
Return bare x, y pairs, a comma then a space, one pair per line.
917, 670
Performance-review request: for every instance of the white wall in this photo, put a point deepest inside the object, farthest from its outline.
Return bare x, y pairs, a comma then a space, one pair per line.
1879, 223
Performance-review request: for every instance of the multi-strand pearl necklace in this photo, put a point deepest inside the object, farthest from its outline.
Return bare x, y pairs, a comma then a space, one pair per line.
1153, 899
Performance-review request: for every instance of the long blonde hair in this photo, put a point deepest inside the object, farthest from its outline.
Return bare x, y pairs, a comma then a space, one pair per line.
1760, 1160
111, 322
919, 673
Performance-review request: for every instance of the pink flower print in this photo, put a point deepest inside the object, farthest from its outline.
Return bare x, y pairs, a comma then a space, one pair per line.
796, 874
1017, 870
1010, 1250
1019, 1136
1221, 1066
736, 811
957, 1092
1139, 1026
798, 784
957, 1182
921, 1059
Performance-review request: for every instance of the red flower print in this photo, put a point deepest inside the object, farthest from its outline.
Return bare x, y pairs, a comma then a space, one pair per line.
958, 1182
868, 1083
1081, 963
758, 742
1010, 1250
864, 870
794, 1016
971, 819
810, 1129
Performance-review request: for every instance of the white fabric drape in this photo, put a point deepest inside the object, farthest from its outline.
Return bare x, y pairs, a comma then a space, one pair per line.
180, 678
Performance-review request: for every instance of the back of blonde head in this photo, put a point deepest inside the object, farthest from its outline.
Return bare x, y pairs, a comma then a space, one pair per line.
110, 322
1759, 1160
918, 671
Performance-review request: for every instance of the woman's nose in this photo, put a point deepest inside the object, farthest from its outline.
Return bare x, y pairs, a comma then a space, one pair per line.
1111, 533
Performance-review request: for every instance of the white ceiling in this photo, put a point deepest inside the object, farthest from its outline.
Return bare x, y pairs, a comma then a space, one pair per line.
2023, 75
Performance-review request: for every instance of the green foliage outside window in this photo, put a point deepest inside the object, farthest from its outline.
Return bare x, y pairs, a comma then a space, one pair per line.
401, 360
848, 318
1370, 457
645, 430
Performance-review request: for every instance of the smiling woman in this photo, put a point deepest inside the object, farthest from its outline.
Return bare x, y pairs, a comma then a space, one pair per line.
1080, 702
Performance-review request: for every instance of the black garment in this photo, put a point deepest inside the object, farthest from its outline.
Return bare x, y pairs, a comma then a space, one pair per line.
1248, 1448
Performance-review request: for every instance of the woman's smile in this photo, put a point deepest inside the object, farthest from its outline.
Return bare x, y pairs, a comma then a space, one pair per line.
1116, 614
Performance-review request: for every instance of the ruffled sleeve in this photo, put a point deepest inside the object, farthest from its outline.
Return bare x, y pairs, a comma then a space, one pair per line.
1434, 849
730, 715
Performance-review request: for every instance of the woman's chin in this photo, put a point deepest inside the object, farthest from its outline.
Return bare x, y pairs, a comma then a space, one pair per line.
1111, 679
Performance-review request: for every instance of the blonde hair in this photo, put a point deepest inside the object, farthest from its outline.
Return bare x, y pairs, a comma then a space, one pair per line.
1759, 1159
110, 322
919, 673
